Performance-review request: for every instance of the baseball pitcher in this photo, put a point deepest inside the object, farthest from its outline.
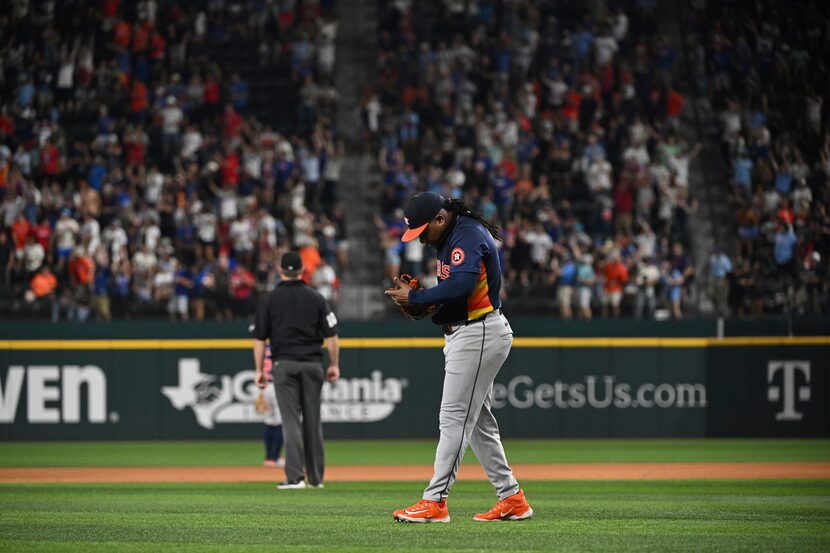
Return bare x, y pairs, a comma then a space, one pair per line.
478, 338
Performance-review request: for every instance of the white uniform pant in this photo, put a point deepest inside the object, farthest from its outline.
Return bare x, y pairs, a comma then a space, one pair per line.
473, 355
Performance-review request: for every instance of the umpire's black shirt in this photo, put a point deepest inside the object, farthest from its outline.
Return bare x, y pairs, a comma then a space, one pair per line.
295, 319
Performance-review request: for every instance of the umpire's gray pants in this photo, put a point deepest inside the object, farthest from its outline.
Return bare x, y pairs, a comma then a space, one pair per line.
473, 355
299, 387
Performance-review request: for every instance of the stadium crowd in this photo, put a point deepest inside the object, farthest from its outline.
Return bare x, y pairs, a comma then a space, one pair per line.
766, 72
558, 125
135, 181
562, 125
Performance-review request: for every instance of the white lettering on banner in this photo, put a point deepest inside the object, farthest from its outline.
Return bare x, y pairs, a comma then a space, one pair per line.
355, 412
40, 392
231, 399
96, 383
520, 392
592, 397
790, 370
10, 393
526, 401
48, 402
641, 396
622, 395
577, 392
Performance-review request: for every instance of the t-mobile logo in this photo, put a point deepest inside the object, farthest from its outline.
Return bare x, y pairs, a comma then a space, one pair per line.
790, 369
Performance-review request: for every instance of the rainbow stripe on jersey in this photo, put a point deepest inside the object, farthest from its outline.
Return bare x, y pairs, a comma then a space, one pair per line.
478, 304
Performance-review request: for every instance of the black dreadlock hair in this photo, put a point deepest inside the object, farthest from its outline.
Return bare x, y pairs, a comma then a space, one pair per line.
460, 208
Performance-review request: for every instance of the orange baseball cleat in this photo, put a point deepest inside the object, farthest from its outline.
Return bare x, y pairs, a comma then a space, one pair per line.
514, 507
424, 511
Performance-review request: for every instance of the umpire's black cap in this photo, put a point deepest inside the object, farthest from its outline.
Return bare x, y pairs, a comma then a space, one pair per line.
419, 211
291, 262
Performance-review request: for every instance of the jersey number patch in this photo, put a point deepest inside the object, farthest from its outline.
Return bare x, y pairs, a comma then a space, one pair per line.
331, 320
457, 256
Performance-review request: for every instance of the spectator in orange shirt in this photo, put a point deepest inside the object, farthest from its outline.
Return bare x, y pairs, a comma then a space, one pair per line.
616, 277
43, 284
42, 288
21, 228
121, 34
81, 268
77, 299
311, 260
20, 231
785, 212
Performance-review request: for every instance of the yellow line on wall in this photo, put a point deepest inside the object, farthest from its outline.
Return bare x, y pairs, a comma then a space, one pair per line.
397, 343
126, 344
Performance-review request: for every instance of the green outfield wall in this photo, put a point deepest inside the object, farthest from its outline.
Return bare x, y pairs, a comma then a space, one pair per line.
595, 379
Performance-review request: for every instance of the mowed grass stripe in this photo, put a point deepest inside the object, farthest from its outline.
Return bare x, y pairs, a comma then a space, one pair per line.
410, 452
571, 516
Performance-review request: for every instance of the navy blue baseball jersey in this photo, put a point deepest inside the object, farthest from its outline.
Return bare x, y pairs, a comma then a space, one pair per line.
469, 274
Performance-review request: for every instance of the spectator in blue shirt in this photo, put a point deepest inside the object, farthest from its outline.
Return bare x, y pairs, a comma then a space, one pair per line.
743, 173
101, 291
585, 278
239, 93
25, 93
785, 241
179, 303
720, 267
203, 281
673, 281
582, 40
565, 282
97, 174
503, 186
783, 178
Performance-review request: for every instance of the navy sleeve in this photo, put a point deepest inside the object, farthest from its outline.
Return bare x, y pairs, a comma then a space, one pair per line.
467, 252
458, 286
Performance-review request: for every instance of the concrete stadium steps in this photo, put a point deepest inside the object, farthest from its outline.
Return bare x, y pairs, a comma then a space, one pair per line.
361, 294
708, 226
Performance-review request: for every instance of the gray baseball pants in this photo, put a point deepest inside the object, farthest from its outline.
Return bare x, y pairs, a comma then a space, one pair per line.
473, 355
299, 386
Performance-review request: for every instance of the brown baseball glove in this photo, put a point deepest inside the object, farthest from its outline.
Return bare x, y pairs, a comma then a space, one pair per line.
403, 284
261, 404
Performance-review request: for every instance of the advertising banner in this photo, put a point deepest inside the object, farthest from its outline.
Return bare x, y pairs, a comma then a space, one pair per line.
391, 388
769, 391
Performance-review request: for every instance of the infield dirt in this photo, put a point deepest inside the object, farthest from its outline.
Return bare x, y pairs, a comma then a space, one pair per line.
354, 473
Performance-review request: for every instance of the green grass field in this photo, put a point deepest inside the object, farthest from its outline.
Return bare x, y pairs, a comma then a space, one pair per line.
398, 452
750, 515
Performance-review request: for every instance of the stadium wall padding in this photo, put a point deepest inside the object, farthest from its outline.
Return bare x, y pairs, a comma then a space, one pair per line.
195, 381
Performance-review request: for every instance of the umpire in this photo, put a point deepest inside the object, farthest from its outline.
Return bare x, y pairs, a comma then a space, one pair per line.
295, 319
